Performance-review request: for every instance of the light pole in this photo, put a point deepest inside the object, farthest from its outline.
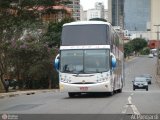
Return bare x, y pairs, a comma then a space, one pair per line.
158, 47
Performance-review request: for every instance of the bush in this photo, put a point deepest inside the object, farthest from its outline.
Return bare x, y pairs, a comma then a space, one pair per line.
145, 51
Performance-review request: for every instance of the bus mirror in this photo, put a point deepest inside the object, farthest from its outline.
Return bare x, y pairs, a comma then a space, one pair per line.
113, 61
56, 62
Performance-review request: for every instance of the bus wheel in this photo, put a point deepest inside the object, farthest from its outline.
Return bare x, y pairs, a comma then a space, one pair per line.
71, 95
111, 93
119, 90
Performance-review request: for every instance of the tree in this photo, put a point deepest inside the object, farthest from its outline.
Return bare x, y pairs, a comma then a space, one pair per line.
52, 38
138, 44
25, 57
53, 34
128, 49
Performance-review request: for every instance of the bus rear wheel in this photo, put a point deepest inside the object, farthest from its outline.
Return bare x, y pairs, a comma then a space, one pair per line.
119, 90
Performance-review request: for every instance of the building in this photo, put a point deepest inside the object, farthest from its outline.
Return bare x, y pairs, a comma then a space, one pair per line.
116, 12
100, 6
97, 12
106, 14
155, 19
75, 7
61, 13
83, 15
137, 14
110, 11
93, 13
153, 44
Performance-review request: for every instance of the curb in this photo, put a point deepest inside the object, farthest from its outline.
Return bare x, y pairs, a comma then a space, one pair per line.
17, 93
129, 59
157, 80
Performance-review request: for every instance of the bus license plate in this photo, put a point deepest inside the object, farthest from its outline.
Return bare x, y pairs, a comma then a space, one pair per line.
83, 88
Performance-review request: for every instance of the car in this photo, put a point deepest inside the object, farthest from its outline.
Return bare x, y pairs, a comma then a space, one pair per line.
154, 54
150, 56
140, 83
148, 77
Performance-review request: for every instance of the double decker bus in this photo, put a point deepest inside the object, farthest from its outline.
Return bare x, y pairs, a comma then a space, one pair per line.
90, 58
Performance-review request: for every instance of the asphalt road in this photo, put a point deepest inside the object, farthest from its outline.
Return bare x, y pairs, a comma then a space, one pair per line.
127, 102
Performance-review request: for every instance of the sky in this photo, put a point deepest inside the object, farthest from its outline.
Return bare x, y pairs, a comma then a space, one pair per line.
89, 4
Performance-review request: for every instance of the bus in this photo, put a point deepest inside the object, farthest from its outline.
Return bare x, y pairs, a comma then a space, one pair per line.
90, 59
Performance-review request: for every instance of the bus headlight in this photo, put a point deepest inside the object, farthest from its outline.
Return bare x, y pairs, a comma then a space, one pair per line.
66, 81
62, 79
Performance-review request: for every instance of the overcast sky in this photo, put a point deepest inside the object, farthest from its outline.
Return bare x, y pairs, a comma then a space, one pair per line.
88, 4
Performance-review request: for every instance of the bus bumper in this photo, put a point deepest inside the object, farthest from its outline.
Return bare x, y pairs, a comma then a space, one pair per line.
98, 87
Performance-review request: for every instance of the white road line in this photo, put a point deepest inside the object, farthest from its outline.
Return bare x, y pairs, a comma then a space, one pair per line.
124, 109
135, 110
133, 107
129, 100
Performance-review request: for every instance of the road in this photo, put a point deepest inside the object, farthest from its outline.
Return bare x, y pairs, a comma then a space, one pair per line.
127, 102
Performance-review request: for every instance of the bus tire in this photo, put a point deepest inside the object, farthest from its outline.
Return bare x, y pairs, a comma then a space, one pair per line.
111, 93
71, 94
119, 90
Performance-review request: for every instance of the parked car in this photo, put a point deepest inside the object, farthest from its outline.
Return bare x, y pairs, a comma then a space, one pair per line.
148, 77
140, 83
150, 56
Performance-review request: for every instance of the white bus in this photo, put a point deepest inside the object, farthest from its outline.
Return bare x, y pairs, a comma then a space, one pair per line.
90, 58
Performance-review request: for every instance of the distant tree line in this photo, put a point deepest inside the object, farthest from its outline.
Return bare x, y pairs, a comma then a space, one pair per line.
136, 46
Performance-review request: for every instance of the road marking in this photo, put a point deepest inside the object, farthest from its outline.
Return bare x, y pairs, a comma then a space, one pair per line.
125, 109
129, 100
135, 110
133, 107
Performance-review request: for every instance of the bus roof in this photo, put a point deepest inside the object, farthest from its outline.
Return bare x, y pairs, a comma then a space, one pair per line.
87, 22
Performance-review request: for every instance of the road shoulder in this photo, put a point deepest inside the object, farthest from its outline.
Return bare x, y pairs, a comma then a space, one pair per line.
26, 92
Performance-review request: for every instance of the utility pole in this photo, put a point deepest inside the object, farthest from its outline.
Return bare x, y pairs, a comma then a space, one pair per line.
158, 47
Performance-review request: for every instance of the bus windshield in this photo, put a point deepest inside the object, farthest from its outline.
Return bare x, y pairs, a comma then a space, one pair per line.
84, 61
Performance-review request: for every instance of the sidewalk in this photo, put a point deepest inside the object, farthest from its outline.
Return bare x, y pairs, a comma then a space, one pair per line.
26, 92
158, 79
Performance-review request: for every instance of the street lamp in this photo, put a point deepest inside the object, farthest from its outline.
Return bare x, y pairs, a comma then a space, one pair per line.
158, 47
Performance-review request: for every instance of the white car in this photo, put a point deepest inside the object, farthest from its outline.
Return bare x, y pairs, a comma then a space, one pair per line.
150, 56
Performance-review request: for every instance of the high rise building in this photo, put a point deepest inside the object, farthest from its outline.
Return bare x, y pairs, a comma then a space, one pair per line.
137, 14
97, 12
83, 14
75, 6
155, 19
116, 12
100, 6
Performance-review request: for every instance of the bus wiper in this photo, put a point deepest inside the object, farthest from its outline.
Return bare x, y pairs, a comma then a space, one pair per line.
97, 70
78, 72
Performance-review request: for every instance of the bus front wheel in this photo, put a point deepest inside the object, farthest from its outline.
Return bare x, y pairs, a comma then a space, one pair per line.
71, 95
111, 93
